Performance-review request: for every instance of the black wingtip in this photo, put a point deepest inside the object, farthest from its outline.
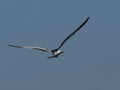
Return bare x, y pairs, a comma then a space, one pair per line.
87, 18
14, 46
10, 45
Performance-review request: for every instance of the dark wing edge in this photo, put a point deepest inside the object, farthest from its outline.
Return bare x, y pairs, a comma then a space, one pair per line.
15, 46
74, 32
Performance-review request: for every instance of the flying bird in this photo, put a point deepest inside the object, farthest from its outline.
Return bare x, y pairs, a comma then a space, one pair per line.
55, 52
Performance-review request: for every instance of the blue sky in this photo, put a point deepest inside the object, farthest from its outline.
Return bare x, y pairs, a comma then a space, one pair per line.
91, 57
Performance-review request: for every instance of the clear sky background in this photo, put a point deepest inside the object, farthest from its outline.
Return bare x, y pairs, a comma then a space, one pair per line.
91, 57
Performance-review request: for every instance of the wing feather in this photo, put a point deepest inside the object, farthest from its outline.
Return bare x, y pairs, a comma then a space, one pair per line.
31, 47
73, 32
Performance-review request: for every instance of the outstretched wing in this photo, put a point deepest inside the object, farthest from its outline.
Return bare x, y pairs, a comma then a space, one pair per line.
74, 32
31, 47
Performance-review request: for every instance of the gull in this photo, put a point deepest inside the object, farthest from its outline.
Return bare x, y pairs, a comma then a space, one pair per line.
55, 52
